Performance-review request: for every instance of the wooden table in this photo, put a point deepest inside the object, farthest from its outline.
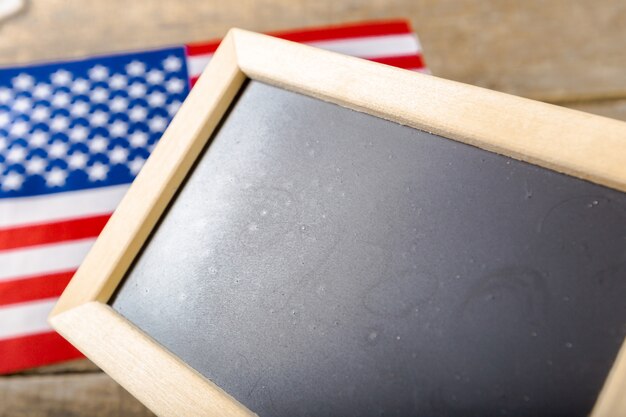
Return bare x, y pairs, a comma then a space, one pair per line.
568, 52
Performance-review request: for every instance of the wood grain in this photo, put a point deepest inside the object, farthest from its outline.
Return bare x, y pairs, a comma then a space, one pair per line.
615, 109
75, 366
560, 50
93, 395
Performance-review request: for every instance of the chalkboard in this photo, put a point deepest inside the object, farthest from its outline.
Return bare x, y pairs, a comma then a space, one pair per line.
319, 261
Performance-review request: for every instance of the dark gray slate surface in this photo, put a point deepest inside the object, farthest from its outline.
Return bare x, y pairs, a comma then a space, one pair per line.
323, 262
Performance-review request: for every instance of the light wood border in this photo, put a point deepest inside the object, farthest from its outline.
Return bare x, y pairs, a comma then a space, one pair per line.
571, 142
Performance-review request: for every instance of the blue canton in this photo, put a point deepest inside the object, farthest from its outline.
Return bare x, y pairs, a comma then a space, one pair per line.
85, 124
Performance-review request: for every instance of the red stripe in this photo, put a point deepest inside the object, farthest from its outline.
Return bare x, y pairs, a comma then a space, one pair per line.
39, 234
34, 288
35, 350
202, 48
356, 30
406, 62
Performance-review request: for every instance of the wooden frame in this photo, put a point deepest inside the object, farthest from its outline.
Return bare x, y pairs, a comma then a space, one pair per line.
575, 143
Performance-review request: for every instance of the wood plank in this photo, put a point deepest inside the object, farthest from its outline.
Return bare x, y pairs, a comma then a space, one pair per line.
88, 395
552, 51
615, 109
77, 366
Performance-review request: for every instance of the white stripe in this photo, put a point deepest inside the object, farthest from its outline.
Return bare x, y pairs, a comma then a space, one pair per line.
26, 318
196, 64
44, 259
373, 46
54, 207
364, 47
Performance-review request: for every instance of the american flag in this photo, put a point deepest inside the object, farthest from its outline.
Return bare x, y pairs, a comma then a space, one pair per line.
74, 134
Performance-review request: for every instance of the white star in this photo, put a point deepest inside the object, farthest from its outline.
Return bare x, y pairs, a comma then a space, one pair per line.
3, 145
23, 82
5, 119
80, 86
99, 95
38, 139
61, 100
59, 123
135, 68
118, 155
5, 95
136, 164
98, 73
155, 76
157, 124
79, 109
156, 99
118, 81
138, 114
42, 91
56, 177
61, 77
98, 144
77, 160
98, 118
118, 104
22, 104
98, 171
175, 85
58, 150
139, 139
173, 107
16, 155
12, 181
36, 165
78, 133
171, 63
40, 114
118, 129
136, 90
19, 129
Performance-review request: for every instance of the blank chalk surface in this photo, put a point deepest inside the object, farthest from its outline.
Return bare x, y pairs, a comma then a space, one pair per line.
324, 262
